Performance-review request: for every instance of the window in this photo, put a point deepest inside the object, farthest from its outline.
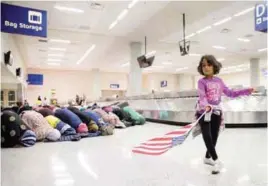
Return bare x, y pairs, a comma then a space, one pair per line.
2, 97
11, 98
11, 95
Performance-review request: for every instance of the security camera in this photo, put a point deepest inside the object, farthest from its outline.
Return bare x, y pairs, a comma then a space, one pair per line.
146, 60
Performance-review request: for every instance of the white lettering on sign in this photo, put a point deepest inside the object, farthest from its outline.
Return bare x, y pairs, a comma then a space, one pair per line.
23, 26
36, 28
260, 11
14, 25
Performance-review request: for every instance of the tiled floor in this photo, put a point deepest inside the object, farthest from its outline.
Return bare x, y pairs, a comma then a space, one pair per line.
108, 161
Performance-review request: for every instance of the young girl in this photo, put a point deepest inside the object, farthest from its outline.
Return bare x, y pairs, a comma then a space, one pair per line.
210, 89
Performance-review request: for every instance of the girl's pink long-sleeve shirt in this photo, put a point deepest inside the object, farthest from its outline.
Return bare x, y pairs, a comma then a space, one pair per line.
210, 91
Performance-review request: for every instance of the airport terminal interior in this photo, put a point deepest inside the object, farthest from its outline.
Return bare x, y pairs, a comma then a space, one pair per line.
134, 93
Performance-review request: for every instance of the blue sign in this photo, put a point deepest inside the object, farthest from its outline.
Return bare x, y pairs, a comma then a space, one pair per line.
163, 83
22, 20
114, 85
35, 79
261, 17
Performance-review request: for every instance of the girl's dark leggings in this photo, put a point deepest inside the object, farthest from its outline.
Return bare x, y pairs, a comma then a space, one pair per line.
210, 132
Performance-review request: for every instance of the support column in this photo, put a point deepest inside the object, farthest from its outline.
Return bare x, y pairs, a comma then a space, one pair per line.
20, 93
96, 79
135, 72
254, 72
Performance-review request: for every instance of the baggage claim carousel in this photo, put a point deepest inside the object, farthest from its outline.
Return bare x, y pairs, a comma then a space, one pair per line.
179, 108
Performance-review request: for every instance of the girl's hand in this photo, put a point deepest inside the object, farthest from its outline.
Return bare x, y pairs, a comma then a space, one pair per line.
251, 90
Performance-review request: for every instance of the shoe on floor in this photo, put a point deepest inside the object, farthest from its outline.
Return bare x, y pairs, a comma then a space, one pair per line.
209, 161
216, 167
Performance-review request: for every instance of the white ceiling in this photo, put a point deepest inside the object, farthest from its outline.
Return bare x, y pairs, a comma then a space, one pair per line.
160, 21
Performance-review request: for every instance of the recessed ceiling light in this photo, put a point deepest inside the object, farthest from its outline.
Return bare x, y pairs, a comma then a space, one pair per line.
54, 64
167, 63
132, 4
69, 9
225, 30
54, 60
204, 29
190, 35
220, 59
56, 55
125, 64
157, 67
86, 54
219, 47
60, 41
59, 49
244, 11
222, 21
113, 25
262, 49
181, 69
122, 14
191, 54
244, 40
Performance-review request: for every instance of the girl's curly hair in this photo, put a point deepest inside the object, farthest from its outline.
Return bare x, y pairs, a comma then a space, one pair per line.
212, 61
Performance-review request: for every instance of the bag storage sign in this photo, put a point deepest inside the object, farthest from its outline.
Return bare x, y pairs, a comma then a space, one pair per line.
22, 20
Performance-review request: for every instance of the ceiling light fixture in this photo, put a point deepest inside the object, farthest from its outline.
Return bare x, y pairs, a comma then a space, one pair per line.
132, 4
60, 41
125, 65
222, 21
157, 67
86, 54
56, 55
181, 69
122, 15
219, 47
112, 25
190, 35
262, 49
167, 63
59, 49
54, 64
220, 59
244, 11
62, 8
54, 60
244, 40
204, 29
194, 54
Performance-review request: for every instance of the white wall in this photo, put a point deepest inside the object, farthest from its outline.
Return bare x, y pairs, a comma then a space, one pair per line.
8, 43
185, 82
152, 82
9, 86
70, 83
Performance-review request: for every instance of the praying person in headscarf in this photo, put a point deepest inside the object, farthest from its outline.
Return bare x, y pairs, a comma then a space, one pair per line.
14, 131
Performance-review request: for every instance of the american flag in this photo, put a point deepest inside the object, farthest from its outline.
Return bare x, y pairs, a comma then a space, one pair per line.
160, 145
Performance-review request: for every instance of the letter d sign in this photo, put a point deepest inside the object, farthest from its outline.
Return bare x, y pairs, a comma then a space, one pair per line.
261, 17
260, 11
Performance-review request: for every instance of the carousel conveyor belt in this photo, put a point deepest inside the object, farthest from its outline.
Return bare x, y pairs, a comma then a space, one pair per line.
248, 111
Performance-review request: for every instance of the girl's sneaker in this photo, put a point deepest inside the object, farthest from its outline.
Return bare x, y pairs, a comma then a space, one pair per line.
216, 167
209, 161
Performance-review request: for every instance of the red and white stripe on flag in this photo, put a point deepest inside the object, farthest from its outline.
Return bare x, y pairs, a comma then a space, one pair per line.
160, 145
